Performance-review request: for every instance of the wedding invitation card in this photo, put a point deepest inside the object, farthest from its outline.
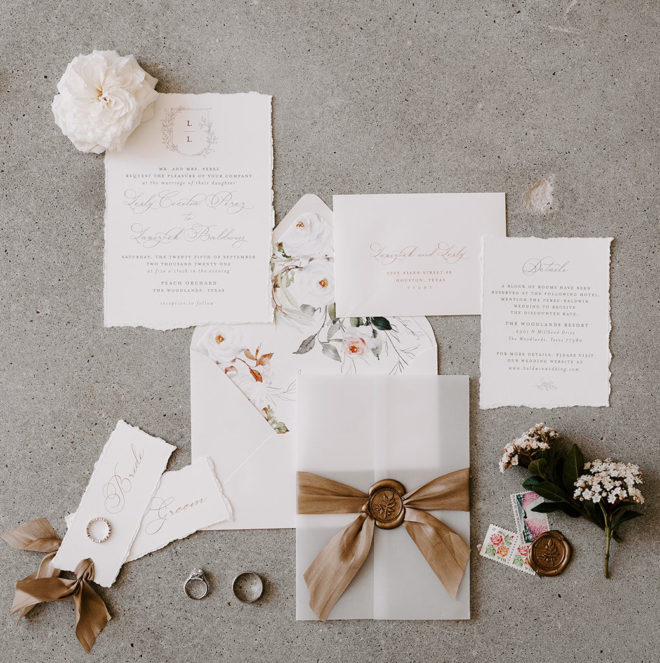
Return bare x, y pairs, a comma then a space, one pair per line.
545, 324
359, 430
120, 489
189, 214
412, 254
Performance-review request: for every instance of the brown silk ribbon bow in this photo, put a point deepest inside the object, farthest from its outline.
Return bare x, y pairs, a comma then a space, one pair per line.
336, 565
45, 584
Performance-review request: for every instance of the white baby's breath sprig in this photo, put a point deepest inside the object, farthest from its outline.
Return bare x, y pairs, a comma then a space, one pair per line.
612, 486
610, 483
525, 448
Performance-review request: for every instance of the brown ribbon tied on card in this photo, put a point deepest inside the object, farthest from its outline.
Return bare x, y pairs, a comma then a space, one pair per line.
45, 584
386, 506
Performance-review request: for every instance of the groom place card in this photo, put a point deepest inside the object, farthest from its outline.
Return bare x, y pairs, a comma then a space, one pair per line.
545, 325
189, 214
121, 487
412, 254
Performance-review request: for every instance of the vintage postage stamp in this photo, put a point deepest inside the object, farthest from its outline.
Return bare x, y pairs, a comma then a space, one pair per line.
528, 523
507, 548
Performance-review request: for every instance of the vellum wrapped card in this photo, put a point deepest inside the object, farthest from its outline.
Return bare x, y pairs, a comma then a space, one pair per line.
359, 430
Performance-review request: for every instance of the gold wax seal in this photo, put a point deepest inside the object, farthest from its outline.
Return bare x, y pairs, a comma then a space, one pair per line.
549, 553
385, 504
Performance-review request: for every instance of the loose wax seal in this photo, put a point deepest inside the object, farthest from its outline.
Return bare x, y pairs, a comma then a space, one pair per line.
550, 553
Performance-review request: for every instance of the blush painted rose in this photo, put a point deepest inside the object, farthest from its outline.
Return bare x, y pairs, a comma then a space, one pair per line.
496, 539
360, 342
309, 235
102, 99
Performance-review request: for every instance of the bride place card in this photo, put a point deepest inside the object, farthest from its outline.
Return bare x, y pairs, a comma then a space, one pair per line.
189, 214
383, 528
121, 487
186, 501
243, 377
545, 325
412, 254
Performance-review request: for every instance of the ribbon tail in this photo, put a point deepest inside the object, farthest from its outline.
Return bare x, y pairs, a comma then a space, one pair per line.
91, 615
336, 565
33, 590
445, 551
37, 535
45, 570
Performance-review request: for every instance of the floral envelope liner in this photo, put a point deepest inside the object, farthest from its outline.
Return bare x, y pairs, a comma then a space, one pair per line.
263, 361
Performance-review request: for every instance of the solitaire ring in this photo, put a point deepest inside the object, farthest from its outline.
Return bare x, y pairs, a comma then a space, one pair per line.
98, 530
196, 585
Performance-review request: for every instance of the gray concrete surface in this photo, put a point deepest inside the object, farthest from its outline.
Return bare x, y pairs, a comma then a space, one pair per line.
369, 97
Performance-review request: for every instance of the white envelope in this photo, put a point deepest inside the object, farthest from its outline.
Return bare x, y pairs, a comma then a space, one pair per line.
256, 464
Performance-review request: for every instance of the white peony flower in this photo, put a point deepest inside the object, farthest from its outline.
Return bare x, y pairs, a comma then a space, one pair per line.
222, 344
314, 284
310, 235
102, 99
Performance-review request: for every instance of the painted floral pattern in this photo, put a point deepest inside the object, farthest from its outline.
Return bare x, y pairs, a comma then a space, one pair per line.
264, 365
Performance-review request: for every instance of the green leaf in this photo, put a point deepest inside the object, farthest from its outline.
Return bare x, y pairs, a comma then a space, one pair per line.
550, 491
573, 467
333, 329
381, 323
330, 351
550, 507
332, 312
530, 482
625, 516
306, 345
538, 466
355, 322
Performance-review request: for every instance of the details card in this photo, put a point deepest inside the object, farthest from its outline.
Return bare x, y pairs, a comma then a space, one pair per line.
545, 324
189, 214
121, 487
412, 254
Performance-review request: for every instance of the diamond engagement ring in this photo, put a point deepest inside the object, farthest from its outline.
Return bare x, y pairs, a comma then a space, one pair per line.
196, 585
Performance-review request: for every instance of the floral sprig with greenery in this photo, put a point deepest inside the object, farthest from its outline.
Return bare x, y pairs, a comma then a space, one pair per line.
602, 494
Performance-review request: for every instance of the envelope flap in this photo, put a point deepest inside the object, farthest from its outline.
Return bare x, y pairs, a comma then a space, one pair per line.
220, 413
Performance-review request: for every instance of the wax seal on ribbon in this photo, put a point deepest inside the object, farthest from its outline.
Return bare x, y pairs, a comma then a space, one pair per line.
386, 506
385, 503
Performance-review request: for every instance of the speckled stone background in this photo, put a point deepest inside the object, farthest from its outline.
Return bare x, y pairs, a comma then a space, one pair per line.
368, 97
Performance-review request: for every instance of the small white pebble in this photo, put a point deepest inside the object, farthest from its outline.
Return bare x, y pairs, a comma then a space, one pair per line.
538, 197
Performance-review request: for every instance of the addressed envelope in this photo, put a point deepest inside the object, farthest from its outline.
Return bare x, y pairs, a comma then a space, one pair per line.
413, 254
243, 377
